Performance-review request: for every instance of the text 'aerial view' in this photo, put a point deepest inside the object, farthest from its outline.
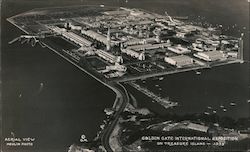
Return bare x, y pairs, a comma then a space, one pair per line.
125, 75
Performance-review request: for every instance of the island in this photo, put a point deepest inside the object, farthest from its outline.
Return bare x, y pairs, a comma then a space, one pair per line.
118, 46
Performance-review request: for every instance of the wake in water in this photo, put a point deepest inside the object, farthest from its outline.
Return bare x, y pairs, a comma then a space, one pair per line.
40, 88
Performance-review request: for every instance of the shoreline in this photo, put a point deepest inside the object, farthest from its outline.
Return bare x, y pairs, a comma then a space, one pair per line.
119, 95
117, 86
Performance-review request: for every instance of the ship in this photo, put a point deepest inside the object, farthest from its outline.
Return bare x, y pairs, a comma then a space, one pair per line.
221, 106
41, 84
206, 113
198, 72
233, 104
209, 107
161, 78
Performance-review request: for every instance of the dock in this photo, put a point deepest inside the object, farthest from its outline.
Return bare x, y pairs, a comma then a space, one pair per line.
166, 103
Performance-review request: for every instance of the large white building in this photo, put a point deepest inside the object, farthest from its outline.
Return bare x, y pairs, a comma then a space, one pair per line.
210, 55
140, 55
71, 36
77, 39
179, 49
134, 42
137, 51
109, 57
148, 46
74, 27
179, 61
139, 47
99, 37
117, 67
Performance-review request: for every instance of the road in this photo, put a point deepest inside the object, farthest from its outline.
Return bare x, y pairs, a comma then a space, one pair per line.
123, 97
150, 75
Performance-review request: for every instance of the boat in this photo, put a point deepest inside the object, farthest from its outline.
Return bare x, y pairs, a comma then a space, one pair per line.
41, 87
222, 106
216, 125
214, 111
161, 78
12, 134
157, 85
41, 84
209, 107
233, 104
206, 113
248, 101
224, 110
198, 72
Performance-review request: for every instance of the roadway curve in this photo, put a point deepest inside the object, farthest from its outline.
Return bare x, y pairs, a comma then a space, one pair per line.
123, 98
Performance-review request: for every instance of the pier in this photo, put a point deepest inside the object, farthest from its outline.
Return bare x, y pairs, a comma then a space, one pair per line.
162, 101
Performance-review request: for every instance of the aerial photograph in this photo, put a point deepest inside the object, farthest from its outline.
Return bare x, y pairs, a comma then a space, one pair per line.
125, 76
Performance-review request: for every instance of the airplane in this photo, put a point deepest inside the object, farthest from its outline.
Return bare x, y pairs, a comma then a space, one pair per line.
32, 39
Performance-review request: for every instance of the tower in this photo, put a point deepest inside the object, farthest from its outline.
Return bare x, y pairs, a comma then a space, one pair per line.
141, 56
240, 52
158, 40
119, 59
108, 40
